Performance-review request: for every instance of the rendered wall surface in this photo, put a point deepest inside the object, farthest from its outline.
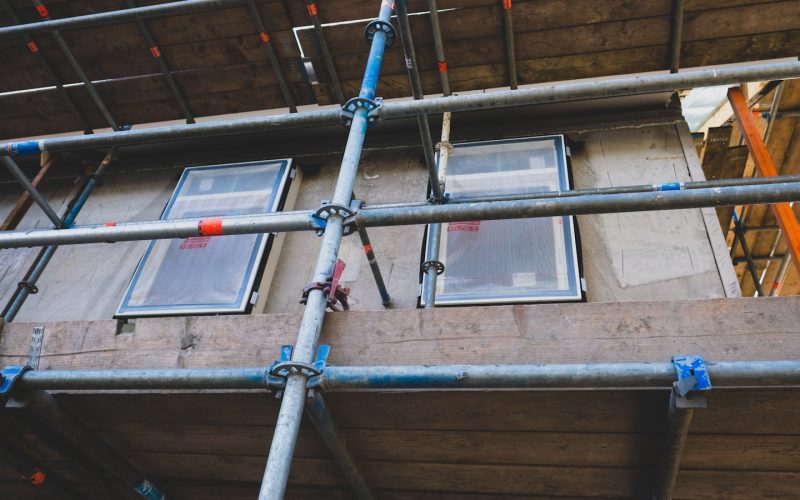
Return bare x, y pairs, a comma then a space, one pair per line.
639, 256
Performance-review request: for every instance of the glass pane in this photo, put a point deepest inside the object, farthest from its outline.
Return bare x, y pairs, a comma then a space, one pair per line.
203, 273
519, 260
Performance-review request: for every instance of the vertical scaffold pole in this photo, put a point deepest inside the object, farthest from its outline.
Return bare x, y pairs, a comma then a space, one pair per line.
276, 473
432, 266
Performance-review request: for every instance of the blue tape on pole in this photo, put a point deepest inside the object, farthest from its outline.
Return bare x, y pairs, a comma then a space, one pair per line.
26, 148
672, 186
149, 491
318, 223
693, 369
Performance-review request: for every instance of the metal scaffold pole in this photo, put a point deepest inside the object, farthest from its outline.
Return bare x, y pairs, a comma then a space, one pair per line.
276, 473
544, 94
593, 376
646, 199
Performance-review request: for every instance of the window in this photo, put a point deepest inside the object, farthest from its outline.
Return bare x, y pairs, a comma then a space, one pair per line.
516, 260
205, 274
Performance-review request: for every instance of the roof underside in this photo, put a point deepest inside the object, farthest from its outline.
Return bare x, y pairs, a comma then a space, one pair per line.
221, 68
580, 444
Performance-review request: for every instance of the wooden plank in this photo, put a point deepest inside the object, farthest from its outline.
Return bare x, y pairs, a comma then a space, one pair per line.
724, 451
783, 211
719, 329
733, 168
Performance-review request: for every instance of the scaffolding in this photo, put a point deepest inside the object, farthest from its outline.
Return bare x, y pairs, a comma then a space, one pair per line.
301, 376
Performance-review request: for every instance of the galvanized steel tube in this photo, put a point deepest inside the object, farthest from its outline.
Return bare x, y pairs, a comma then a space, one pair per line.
729, 374
117, 16
678, 422
441, 59
678, 8
276, 473
417, 93
561, 92
34, 193
43, 258
398, 215
317, 411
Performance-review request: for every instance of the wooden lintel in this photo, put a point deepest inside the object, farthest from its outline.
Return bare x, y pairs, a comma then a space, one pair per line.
719, 329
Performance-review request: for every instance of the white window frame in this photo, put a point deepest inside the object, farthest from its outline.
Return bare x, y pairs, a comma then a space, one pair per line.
565, 251
255, 262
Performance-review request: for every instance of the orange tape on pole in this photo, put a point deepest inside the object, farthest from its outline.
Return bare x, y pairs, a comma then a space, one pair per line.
33, 47
758, 150
264, 36
210, 227
42, 10
442, 66
155, 51
312, 9
507, 4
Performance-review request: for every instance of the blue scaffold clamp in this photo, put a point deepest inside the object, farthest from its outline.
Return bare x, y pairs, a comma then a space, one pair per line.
693, 378
149, 491
377, 26
373, 107
9, 377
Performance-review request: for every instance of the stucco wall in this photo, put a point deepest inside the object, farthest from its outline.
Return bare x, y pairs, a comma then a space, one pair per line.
639, 256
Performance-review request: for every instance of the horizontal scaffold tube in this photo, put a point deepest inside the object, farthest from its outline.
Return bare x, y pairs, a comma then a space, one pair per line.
346, 378
116, 16
544, 94
395, 215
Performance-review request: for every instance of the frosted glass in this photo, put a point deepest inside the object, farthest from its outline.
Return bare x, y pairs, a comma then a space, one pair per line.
205, 274
518, 260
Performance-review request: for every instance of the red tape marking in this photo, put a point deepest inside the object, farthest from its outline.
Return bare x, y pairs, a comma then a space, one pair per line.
110, 224
264, 37
442, 66
42, 10
37, 477
210, 227
312, 9
368, 248
154, 50
507, 4
33, 47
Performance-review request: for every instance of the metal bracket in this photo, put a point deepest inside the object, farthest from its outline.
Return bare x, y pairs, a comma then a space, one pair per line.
692, 377
320, 217
378, 25
284, 367
373, 107
35, 348
433, 263
9, 376
32, 288
334, 293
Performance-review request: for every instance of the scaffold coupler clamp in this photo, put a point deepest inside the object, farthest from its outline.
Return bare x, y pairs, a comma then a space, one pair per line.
335, 294
373, 107
692, 379
438, 265
321, 215
148, 490
377, 26
28, 285
9, 377
285, 366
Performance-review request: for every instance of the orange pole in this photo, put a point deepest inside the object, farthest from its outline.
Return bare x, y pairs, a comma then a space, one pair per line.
758, 150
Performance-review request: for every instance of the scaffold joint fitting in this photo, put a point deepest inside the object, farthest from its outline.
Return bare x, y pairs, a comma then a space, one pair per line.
692, 377
376, 26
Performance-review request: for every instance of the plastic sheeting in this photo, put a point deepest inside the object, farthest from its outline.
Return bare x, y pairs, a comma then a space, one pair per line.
207, 274
519, 260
